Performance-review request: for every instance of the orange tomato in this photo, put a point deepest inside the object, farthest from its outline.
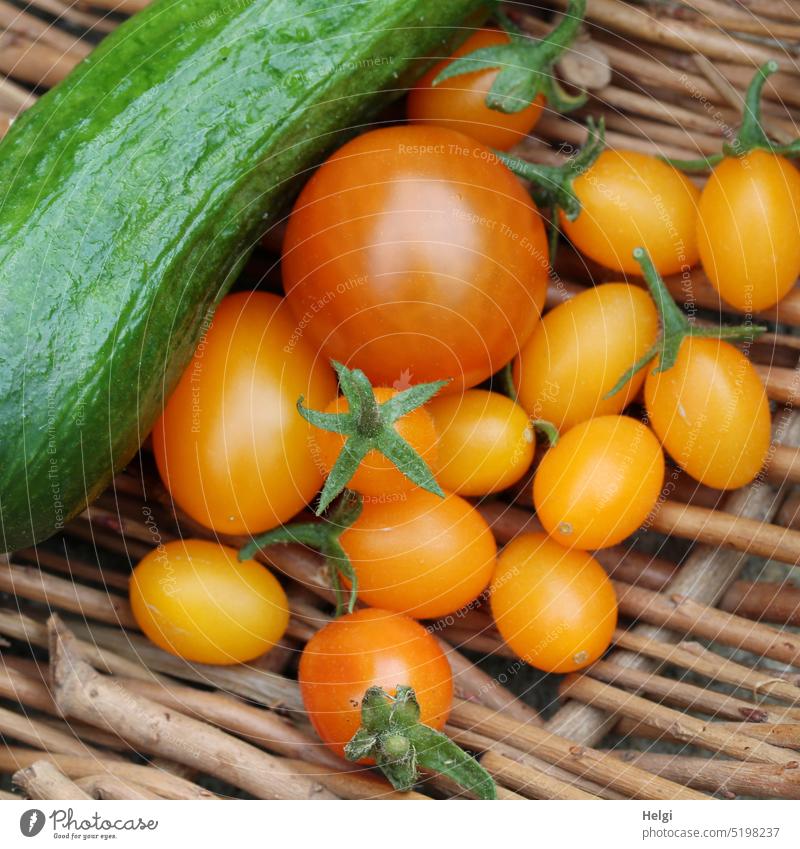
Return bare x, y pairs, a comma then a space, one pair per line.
365, 649
598, 484
579, 351
460, 102
555, 607
420, 554
748, 229
414, 254
630, 200
230, 446
377, 475
194, 599
486, 442
711, 413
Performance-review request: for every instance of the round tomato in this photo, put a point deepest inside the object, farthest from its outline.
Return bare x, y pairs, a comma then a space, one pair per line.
486, 442
460, 102
420, 554
196, 600
231, 448
579, 351
365, 649
377, 475
598, 484
630, 200
748, 229
555, 607
711, 413
414, 254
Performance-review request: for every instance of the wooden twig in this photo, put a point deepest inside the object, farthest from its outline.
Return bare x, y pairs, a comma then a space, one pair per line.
35, 732
14, 20
352, 784
715, 775
159, 782
42, 780
530, 782
697, 659
681, 726
780, 736
113, 787
81, 693
769, 602
682, 614
576, 759
75, 568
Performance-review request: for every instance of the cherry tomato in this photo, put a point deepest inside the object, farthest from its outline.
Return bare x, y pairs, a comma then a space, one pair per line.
415, 255
748, 229
580, 350
711, 413
420, 554
598, 484
365, 649
631, 200
486, 442
377, 475
460, 102
196, 600
554, 606
231, 448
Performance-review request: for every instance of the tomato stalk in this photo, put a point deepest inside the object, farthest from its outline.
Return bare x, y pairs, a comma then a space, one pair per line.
393, 736
751, 135
525, 66
369, 426
675, 326
323, 537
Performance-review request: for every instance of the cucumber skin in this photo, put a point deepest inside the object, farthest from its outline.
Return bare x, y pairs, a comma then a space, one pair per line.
131, 195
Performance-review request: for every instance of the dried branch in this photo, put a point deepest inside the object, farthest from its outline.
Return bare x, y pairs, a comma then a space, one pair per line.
42, 780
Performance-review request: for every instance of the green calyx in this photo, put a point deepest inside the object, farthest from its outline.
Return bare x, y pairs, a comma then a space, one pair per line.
393, 736
553, 187
526, 66
369, 426
547, 429
675, 326
751, 135
324, 537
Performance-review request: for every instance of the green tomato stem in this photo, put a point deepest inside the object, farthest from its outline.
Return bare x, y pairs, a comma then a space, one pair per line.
369, 426
400, 744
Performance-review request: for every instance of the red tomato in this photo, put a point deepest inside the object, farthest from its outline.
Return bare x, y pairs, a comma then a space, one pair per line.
415, 255
460, 102
231, 447
365, 649
420, 554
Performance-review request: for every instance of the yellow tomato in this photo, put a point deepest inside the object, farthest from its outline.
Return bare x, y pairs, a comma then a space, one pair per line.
749, 229
630, 200
598, 484
485, 442
231, 447
420, 554
195, 599
555, 607
579, 351
711, 413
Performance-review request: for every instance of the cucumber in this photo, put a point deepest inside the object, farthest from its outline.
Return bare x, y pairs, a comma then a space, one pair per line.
133, 192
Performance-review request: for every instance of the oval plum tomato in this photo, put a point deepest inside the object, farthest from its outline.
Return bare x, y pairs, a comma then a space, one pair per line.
421, 555
630, 200
579, 350
364, 649
711, 413
555, 607
598, 484
230, 446
486, 442
459, 103
196, 600
377, 475
414, 254
748, 229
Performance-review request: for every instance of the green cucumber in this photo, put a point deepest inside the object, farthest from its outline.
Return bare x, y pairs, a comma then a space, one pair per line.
133, 192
